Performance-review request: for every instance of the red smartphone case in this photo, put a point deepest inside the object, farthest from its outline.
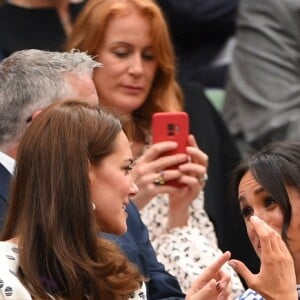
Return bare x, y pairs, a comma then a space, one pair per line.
171, 126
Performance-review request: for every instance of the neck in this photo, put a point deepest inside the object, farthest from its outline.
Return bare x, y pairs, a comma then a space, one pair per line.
14, 240
10, 151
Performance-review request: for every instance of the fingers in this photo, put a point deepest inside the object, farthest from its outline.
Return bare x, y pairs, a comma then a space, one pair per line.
263, 232
192, 141
241, 268
277, 266
215, 267
208, 291
195, 153
223, 286
270, 241
198, 172
157, 150
155, 159
212, 282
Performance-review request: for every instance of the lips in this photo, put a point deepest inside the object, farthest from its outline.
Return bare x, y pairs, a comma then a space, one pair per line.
132, 89
124, 205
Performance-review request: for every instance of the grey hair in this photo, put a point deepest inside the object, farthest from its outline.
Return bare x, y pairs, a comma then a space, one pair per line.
31, 80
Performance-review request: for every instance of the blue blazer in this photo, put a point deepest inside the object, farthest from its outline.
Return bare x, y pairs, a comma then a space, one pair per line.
5, 178
136, 245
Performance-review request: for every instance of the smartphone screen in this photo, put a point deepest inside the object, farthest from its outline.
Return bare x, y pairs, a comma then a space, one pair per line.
171, 126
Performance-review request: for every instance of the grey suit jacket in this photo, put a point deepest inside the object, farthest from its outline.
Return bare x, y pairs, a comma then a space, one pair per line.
263, 92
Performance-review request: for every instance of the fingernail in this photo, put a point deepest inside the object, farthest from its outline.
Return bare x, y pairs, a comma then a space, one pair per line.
255, 218
232, 263
221, 285
212, 283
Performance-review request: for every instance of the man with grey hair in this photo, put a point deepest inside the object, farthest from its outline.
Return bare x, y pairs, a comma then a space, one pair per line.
30, 80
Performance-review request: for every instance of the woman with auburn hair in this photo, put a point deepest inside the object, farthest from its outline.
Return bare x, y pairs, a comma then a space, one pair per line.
131, 39
89, 33
63, 194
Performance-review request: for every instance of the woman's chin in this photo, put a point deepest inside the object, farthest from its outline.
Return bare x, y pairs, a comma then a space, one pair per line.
122, 230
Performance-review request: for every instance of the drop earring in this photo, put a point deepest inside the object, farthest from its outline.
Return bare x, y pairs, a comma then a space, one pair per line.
93, 206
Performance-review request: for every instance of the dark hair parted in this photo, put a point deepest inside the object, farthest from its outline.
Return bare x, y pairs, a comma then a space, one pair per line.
50, 208
274, 167
88, 35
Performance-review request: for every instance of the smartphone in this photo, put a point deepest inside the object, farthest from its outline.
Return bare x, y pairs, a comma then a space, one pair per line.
171, 126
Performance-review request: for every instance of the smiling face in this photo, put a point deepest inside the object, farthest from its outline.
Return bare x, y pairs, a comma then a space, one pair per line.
255, 200
111, 185
129, 62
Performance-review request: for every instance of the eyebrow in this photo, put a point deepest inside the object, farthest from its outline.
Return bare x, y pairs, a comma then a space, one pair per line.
257, 191
122, 43
130, 160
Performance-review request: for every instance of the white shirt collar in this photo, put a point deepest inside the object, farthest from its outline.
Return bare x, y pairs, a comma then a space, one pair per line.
8, 162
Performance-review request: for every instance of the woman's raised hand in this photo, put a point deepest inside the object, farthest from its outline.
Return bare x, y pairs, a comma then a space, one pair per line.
276, 279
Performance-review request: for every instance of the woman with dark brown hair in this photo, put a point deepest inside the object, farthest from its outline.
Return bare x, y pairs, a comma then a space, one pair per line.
62, 196
266, 185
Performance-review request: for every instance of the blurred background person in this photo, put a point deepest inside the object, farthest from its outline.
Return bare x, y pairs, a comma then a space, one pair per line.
38, 24
263, 93
203, 36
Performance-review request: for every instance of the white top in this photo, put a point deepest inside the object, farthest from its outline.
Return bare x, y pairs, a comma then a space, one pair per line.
185, 251
8, 162
11, 287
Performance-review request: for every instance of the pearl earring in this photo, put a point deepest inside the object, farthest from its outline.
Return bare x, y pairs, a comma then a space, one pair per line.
93, 206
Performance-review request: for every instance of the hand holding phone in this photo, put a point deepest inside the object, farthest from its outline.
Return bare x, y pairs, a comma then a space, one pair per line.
171, 126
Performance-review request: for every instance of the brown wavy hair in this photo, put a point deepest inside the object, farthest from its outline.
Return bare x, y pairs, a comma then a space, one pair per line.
88, 34
50, 208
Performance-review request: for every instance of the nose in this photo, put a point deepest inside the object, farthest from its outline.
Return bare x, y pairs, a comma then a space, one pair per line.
136, 67
133, 190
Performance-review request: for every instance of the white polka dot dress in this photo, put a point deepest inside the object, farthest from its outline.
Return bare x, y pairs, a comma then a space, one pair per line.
185, 251
11, 287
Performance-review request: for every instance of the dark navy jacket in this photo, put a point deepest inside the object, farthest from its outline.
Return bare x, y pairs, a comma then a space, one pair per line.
5, 178
136, 244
